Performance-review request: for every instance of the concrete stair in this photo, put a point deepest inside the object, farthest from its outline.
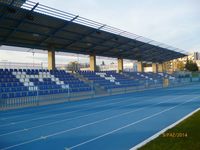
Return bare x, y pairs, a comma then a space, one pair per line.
99, 91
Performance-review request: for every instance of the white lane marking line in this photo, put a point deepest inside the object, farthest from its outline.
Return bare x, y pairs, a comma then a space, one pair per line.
52, 110
27, 142
75, 128
79, 105
113, 98
42, 108
41, 112
87, 104
54, 115
163, 130
54, 122
131, 124
68, 119
17, 131
43, 137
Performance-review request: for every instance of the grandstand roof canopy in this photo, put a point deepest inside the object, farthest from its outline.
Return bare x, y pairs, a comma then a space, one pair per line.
37, 26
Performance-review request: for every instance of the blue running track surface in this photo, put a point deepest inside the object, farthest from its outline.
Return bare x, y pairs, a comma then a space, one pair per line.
116, 122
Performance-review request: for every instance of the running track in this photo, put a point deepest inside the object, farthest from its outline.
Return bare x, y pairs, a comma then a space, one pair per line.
108, 123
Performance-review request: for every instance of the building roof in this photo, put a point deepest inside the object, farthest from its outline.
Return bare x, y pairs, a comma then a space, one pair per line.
34, 25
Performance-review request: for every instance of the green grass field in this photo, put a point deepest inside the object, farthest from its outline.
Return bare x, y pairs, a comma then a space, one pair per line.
195, 74
184, 136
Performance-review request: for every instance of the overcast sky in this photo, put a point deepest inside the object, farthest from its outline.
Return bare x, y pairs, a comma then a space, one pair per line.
173, 22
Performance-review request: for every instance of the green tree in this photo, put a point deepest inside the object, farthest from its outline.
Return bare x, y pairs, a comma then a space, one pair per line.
73, 66
180, 65
191, 66
102, 63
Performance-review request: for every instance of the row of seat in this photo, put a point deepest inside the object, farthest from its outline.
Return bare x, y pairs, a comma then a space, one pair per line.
5, 80
11, 84
74, 83
10, 93
150, 77
28, 82
109, 79
59, 81
13, 89
17, 94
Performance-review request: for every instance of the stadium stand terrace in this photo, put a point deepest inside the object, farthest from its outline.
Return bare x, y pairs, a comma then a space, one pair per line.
33, 25
119, 110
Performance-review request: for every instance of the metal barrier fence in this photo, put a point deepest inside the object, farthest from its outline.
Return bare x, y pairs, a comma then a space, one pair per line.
36, 99
12, 100
153, 85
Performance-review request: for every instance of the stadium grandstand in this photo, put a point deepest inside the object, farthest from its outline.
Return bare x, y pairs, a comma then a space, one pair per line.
115, 94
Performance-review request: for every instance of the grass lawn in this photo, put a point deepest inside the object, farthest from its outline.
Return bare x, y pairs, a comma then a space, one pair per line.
195, 74
184, 136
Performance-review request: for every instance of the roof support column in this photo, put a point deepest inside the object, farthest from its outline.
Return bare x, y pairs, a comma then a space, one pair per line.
165, 67
140, 67
93, 62
160, 67
120, 65
51, 59
154, 67
174, 64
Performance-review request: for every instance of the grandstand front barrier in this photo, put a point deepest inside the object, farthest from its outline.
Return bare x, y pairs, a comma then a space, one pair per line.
12, 100
146, 85
34, 87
